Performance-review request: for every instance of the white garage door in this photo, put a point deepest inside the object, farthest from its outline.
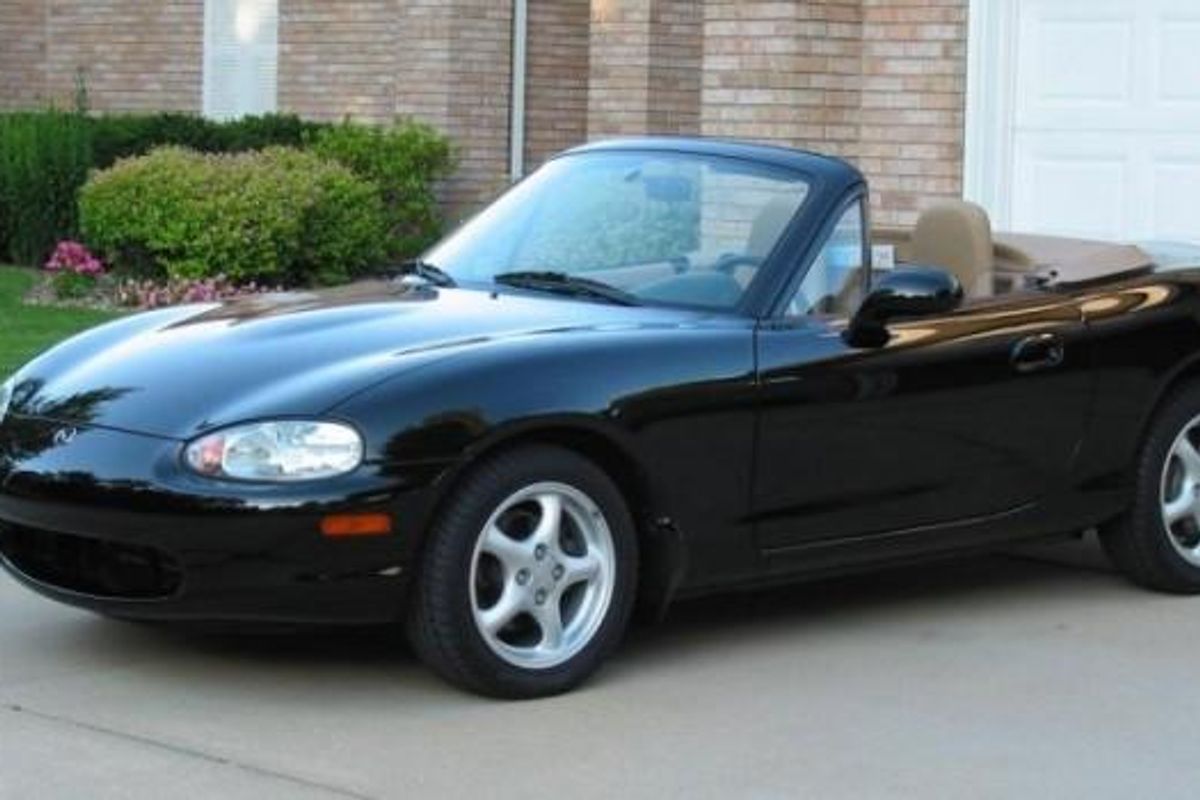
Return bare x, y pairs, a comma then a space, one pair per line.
1096, 107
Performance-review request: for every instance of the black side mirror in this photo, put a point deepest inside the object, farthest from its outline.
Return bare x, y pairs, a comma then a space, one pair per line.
905, 293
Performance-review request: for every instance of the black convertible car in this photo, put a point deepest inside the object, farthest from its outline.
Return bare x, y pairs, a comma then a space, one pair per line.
653, 369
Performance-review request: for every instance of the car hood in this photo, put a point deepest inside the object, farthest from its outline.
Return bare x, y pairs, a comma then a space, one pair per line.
180, 371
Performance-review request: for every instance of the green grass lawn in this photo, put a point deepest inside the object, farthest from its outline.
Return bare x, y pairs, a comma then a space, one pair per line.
25, 330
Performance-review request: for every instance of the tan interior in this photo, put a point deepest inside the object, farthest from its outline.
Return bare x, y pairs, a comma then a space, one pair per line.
957, 236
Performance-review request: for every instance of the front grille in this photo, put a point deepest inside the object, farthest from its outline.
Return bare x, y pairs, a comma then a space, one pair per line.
91, 566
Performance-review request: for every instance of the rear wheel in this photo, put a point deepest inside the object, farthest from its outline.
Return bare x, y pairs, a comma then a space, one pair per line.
528, 577
1157, 542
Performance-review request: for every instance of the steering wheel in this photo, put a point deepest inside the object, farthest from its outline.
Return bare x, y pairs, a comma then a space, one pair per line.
681, 265
729, 262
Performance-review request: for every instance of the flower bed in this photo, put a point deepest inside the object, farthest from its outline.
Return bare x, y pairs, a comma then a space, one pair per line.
75, 277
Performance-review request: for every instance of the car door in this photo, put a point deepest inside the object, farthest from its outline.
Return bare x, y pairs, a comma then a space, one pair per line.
963, 416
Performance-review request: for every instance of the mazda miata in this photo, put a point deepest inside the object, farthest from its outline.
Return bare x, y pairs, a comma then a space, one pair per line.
653, 369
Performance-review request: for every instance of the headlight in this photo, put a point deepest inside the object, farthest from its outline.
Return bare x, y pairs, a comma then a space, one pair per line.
6, 393
290, 450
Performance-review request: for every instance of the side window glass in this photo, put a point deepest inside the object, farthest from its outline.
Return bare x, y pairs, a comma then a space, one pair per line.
834, 283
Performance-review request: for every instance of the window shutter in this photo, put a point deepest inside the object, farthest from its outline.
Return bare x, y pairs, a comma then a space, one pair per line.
220, 59
241, 55
264, 62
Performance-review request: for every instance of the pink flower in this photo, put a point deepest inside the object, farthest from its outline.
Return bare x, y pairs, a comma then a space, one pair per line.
150, 294
71, 256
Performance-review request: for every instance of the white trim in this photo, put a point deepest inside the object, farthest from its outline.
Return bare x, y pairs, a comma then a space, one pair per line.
991, 89
240, 72
206, 71
516, 113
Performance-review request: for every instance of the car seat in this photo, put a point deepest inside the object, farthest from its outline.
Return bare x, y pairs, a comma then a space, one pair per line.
957, 236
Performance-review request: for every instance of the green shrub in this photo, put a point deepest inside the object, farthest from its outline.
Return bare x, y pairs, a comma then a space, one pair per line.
117, 136
273, 215
70, 286
44, 158
404, 160
268, 130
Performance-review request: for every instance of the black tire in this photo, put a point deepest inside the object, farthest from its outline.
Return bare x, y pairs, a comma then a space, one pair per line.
1138, 542
441, 624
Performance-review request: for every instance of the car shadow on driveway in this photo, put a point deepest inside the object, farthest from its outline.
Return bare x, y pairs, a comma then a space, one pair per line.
932, 590
935, 595
975, 663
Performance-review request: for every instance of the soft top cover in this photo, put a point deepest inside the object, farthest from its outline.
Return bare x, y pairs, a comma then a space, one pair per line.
1071, 260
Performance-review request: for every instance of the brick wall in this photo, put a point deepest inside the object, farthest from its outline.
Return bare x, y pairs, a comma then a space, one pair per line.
676, 47
645, 67
878, 81
138, 56
556, 87
452, 70
619, 76
783, 72
480, 83
914, 97
22, 52
134, 55
423, 58
338, 59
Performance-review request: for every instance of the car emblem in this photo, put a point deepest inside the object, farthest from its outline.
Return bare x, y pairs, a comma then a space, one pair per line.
64, 436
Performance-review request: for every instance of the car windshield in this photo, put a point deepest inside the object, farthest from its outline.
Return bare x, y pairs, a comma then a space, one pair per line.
652, 227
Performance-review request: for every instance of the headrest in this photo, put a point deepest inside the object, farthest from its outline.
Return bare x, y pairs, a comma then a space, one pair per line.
957, 236
769, 225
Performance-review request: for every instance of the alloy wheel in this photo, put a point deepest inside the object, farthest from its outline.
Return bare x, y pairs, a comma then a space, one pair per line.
542, 575
1179, 497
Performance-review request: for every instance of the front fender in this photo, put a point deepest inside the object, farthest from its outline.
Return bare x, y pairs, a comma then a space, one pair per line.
679, 403
620, 384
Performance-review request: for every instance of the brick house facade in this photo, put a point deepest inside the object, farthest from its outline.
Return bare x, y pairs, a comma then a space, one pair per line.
881, 82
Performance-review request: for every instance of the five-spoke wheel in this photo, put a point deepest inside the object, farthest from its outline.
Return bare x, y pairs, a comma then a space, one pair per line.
1157, 541
1180, 493
527, 579
542, 575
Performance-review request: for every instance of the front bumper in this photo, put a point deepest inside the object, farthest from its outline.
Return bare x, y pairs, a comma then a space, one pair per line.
110, 521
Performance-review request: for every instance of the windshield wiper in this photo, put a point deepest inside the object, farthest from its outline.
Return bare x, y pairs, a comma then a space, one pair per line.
423, 269
562, 283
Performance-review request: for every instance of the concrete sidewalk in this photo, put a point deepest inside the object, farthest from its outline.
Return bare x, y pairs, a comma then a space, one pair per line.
1041, 675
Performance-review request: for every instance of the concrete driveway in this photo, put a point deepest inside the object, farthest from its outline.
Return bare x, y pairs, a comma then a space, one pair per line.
1034, 676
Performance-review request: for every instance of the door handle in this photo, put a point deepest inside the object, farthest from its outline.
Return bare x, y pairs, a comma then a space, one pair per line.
1043, 351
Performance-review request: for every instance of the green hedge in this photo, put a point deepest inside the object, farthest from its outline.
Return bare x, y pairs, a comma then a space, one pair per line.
44, 158
117, 136
404, 161
277, 215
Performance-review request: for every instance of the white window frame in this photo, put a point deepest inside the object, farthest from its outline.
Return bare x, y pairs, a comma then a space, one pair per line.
212, 71
991, 93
